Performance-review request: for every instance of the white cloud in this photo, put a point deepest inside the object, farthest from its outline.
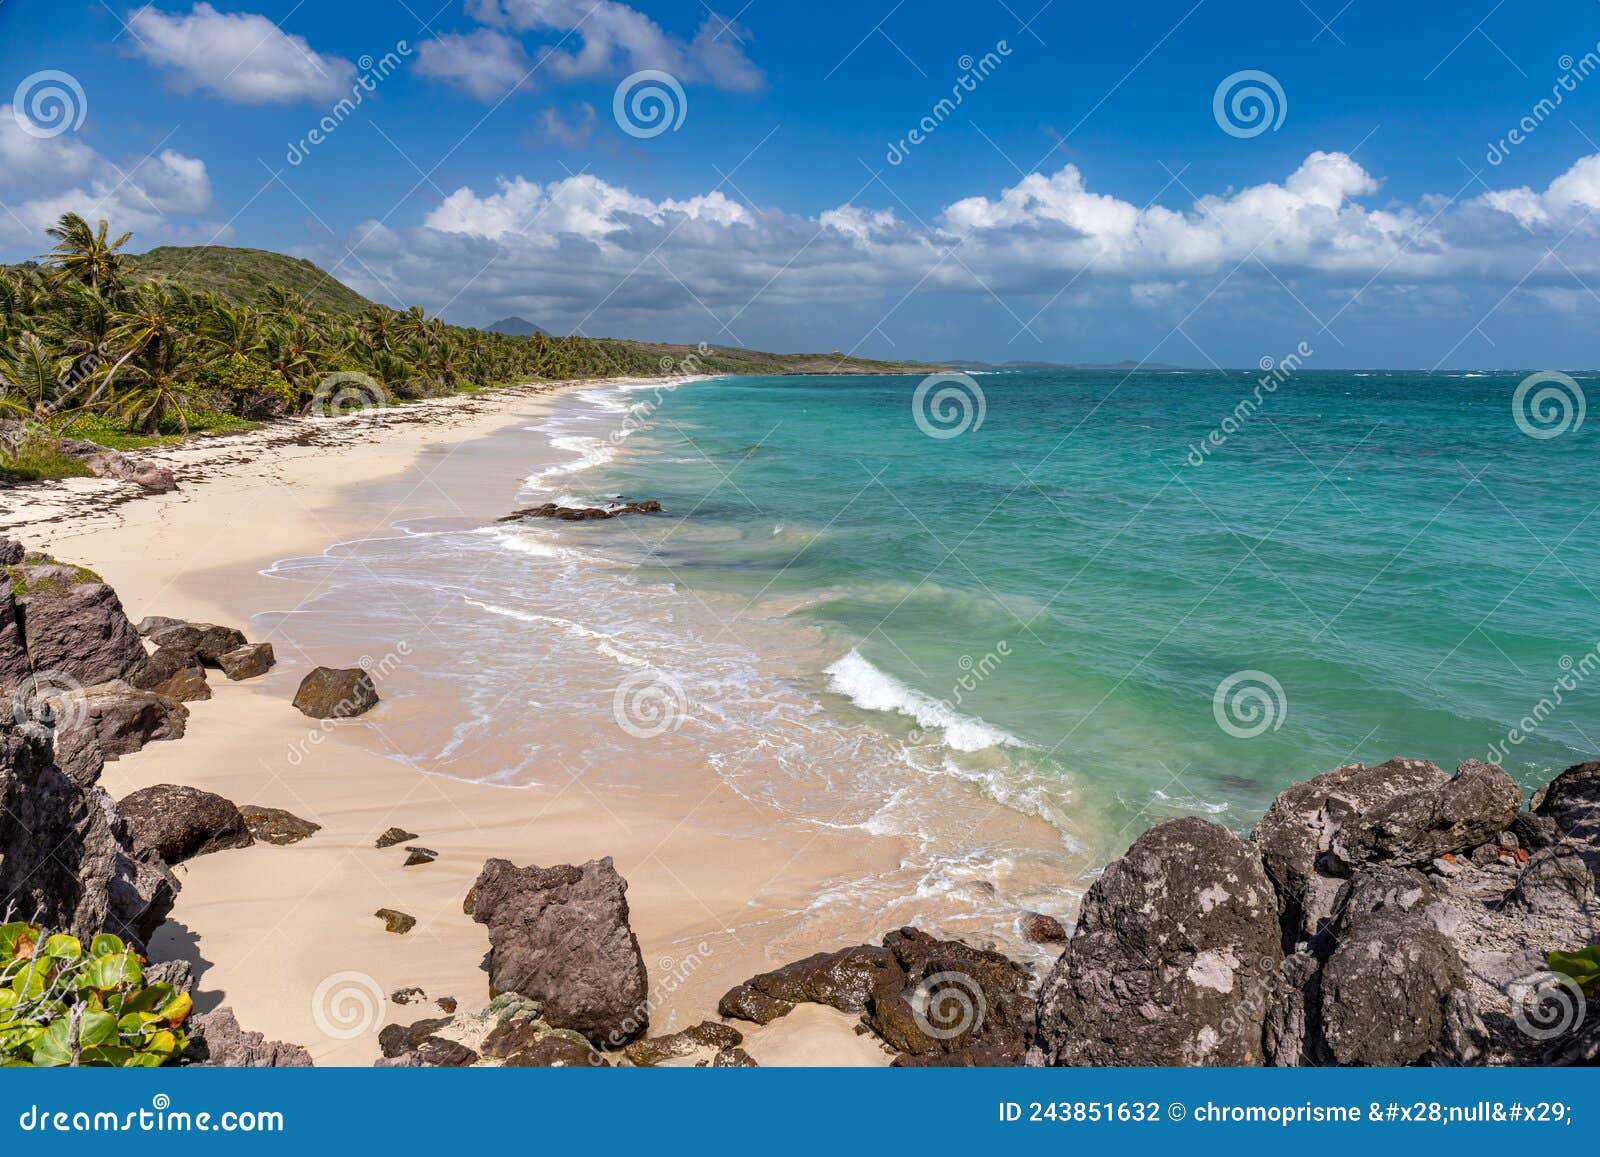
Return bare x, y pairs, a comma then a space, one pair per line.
484, 64
155, 196
605, 38
585, 251
571, 133
238, 55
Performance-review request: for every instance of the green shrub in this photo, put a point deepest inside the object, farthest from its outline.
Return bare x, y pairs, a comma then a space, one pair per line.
248, 389
61, 1004
36, 459
1583, 967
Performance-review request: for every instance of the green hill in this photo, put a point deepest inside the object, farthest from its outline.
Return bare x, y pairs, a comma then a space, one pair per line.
244, 275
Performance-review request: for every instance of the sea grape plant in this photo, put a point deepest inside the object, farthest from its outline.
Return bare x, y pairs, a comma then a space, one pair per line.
64, 1004
1583, 967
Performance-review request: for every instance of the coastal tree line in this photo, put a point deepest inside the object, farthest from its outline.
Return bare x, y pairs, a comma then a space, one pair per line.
88, 349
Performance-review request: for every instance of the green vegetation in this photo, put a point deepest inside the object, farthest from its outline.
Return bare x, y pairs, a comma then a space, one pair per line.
62, 1004
21, 587
1583, 967
135, 351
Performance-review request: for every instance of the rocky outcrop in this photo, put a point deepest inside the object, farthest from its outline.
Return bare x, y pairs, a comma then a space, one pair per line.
217, 1041
1418, 826
66, 858
205, 641
1172, 958
246, 662
706, 1037
583, 513
1572, 805
116, 718
74, 629
561, 936
336, 693
1037, 928
106, 463
935, 1002
174, 672
273, 825
510, 1031
180, 823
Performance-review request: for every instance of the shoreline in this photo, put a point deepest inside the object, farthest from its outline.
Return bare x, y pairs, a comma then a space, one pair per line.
278, 933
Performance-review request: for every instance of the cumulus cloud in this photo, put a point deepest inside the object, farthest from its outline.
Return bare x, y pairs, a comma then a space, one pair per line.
603, 38
240, 56
605, 257
155, 196
484, 64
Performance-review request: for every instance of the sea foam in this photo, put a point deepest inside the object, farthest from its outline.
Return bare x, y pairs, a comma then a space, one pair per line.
874, 690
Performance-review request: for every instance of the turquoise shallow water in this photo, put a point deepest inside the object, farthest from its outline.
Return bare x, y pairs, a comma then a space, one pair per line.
1376, 564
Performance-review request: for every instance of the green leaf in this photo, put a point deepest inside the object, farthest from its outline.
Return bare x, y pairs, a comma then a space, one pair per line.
61, 947
13, 933
106, 944
30, 982
97, 1028
1583, 967
112, 971
52, 1049
148, 999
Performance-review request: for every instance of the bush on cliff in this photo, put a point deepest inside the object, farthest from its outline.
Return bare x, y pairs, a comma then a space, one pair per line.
62, 1004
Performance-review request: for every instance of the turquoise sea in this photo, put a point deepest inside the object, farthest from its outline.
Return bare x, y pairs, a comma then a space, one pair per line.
986, 655
1061, 590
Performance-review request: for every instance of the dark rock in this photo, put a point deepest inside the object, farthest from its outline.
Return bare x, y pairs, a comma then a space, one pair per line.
745, 1003
150, 624
74, 628
187, 686
336, 693
1291, 1029
1298, 833
217, 1041
1389, 991
395, 1039
705, 1035
447, 1003
66, 858
1171, 962
395, 836
1377, 888
560, 936
733, 1058
275, 826
419, 856
178, 973
14, 667
946, 1003
1555, 881
179, 823
12, 552
119, 719
206, 641
396, 921
1419, 826
843, 980
246, 662
583, 513
410, 995
1038, 928
1572, 804
557, 1050
441, 1053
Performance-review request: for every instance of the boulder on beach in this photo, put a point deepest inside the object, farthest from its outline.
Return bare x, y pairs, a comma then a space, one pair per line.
273, 825
246, 662
561, 936
175, 672
396, 921
106, 463
1173, 958
116, 718
217, 1041
336, 693
393, 836
179, 823
206, 641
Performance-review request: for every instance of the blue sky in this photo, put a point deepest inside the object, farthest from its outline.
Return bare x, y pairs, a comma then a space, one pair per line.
1083, 202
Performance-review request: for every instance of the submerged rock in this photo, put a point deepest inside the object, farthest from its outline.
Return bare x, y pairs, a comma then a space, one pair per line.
583, 513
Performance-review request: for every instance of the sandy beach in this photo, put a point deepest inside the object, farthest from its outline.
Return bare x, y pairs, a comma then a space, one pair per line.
287, 935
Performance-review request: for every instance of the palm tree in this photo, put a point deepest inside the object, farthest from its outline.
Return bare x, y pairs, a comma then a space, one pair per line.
82, 255
235, 331
30, 378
